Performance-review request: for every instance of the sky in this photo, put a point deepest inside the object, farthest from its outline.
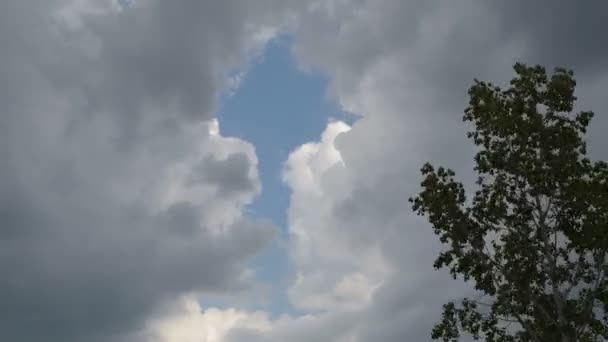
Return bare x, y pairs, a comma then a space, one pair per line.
230, 171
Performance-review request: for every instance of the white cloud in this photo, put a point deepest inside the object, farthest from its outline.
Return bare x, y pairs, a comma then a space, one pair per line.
339, 283
189, 322
305, 166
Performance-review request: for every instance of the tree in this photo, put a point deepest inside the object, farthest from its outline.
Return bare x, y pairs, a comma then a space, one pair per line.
533, 239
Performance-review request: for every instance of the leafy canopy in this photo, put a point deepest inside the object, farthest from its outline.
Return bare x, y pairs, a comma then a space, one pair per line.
533, 238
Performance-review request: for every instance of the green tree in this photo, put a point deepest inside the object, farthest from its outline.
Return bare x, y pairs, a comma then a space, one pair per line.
533, 239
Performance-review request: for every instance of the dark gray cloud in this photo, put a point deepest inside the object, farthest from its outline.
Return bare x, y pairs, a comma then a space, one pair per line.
560, 32
93, 278
230, 175
102, 118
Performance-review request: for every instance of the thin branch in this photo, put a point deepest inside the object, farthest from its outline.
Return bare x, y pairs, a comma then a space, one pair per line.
551, 262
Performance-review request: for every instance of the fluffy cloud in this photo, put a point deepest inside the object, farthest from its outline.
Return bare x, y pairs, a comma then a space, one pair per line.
117, 191
187, 321
315, 238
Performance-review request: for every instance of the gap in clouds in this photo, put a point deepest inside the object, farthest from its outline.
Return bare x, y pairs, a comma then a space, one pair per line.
277, 107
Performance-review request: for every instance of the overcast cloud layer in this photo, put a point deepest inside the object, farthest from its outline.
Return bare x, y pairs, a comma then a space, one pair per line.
121, 202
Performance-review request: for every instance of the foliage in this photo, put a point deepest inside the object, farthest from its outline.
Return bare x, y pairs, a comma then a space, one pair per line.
533, 239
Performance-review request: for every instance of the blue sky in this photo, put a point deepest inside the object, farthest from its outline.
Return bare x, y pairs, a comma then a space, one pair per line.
277, 108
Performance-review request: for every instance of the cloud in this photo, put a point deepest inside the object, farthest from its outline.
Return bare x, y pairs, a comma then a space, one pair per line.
230, 175
187, 321
105, 115
556, 33
315, 239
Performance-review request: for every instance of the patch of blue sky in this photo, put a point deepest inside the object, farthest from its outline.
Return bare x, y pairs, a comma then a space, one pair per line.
277, 108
